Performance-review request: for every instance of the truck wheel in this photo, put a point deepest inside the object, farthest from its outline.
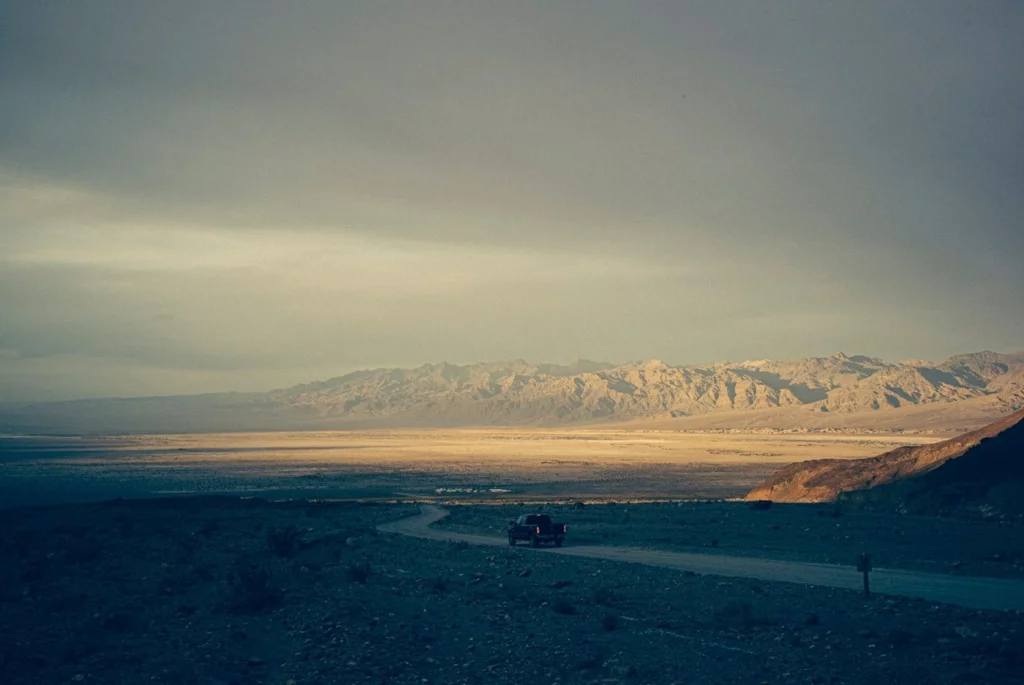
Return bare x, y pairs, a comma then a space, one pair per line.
558, 542
534, 542
511, 541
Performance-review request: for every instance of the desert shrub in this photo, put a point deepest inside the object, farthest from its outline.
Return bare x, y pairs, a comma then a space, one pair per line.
602, 595
82, 550
739, 615
23, 542
252, 590
485, 594
65, 604
282, 541
590, 662
119, 623
359, 572
562, 606
32, 572
610, 622
188, 545
900, 638
175, 584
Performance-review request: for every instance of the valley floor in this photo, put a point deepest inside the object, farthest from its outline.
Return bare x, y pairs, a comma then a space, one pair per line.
485, 463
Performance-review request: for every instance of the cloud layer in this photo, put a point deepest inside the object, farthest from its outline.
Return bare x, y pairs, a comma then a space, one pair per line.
202, 196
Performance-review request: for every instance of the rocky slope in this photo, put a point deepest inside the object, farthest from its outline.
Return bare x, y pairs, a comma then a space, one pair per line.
823, 480
802, 391
987, 480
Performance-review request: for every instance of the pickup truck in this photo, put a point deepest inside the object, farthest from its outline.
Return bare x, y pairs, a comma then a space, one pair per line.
536, 528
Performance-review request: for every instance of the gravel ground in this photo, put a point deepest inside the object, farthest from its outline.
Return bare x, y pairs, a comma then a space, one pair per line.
795, 532
219, 591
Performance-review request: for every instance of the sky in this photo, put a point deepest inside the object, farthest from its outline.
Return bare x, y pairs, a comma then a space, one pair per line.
202, 196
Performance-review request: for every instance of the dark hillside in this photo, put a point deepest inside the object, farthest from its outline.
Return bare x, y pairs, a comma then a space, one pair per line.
823, 480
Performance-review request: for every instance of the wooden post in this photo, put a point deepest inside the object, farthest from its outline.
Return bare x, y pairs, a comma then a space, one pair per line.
864, 566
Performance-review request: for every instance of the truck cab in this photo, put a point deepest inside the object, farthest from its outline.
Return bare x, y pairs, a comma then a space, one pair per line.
536, 529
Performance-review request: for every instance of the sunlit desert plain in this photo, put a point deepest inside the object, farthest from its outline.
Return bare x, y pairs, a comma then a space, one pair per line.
501, 464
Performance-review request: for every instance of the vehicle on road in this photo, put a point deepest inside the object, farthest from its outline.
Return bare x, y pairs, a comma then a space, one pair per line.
536, 529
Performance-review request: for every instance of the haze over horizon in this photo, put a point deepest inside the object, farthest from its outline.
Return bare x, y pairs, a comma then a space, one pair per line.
199, 197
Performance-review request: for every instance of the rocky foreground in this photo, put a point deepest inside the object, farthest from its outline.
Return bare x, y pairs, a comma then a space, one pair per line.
230, 591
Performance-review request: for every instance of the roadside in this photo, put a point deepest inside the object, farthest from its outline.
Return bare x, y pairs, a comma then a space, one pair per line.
818, 533
975, 592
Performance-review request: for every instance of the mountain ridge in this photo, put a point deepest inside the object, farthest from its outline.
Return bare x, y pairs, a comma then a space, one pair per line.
796, 392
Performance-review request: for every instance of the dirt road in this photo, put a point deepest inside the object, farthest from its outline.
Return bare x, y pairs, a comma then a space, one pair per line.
974, 592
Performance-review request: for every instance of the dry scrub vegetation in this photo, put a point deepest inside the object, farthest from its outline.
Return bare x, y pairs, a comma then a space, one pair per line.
219, 590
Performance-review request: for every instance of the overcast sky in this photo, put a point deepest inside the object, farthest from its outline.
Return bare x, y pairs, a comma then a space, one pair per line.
216, 195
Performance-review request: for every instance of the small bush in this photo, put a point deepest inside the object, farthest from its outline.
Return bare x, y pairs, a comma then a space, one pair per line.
739, 615
610, 622
23, 542
900, 638
32, 572
359, 573
252, 591
603, 596
562, 606
283, 541
82, 550
119, 623
591, 662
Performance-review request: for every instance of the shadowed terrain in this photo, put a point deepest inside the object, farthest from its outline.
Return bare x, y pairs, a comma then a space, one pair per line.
984, 458
222, 590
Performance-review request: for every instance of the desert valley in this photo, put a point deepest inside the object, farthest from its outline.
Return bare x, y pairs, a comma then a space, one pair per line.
258, 554
290, 294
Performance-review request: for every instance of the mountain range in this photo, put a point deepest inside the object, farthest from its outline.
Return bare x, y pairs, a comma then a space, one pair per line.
837, 391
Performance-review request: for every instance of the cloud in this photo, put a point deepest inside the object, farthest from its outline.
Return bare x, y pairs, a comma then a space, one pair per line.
236, 187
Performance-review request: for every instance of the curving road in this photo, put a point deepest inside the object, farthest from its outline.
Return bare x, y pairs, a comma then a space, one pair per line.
974, 592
